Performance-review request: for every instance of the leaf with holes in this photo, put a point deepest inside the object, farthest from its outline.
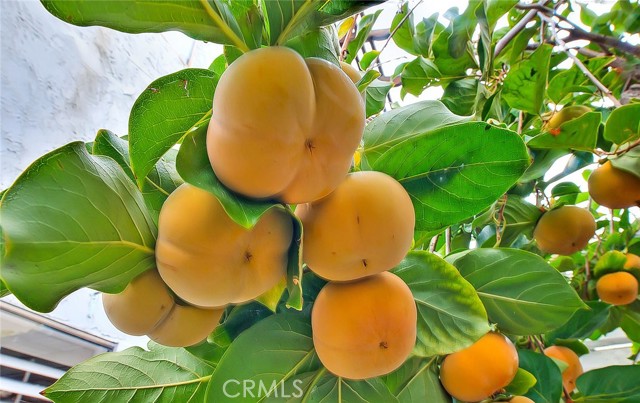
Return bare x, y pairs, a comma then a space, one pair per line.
453, 172
522, 293
450, 314
73, 220
158, 375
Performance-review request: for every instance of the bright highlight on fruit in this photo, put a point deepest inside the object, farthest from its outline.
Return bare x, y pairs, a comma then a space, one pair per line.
480, 370
364, 227
208, 260
564, 230
284, 127
574, 369
366, 328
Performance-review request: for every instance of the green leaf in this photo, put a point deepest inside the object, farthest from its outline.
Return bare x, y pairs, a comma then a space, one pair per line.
365, 25
454, 172
376, 96
417, 380
187, 16
610, 262
522, 293
543, 159
573, 80
161, 374
157, 186
495, 9
415, 40
276, 349
630, 319
519, 217
368, 58
450, 314
322, 43
524, 86
580, 133
164, 112
460, 96
193, 165
402, 124
629, 161
582, 324
614, 384
522, 383
623, 124
4, 291
418, 74
548, 387
366, 79
445, 45
73, 220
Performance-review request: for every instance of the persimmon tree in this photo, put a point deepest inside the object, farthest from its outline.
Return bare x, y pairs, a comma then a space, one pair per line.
524, 85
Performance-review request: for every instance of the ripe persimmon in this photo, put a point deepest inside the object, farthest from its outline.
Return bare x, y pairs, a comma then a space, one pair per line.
564, 230
574, 369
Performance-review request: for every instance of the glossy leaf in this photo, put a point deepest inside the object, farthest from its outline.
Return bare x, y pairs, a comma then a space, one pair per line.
582, 324
522, 293
548, 387
73, 220
623, 124
629, 161
376, 96
580, 133
453, 172
274, 350
522, 383
322, 43
460, 96
190, 17
450, 314
365, 25
524, 86
452, 56
158, 185
574, 80
158, 375
614, 384
418, 74
164, 113
417, 380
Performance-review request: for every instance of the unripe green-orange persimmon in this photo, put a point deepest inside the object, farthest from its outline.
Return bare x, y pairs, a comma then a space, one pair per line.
365, 328
574, 369
364, 227
619, 288
208, 260
614, 188
566, 114
146, 307
480, 370
564, 230
284, 127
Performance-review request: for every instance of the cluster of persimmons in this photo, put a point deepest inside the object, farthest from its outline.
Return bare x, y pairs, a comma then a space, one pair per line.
285, 128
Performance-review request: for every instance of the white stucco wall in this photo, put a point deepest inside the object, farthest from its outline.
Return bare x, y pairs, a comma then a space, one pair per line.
61, 83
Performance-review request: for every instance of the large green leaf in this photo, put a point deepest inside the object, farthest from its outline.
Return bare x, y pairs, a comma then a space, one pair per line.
623, 124
194, 167
365, 25
401, 124
273, 351
456, 171
524, 86
376, 96
450, 314
161, 374
418, 74
451, 47
522, 293
548, 387
580, 133
73, 220
157, 186
164, 112
566, 82
322, 43
417, 381
614, 384
583, 323
460, 96
190, 17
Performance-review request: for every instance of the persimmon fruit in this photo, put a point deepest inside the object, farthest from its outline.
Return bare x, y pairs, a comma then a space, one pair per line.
614, 188
619, 288
208, 260
564, 230
365, 328
480, 370
574, 369
364, 227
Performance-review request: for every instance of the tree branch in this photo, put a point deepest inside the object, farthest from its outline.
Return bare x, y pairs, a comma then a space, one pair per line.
504, 41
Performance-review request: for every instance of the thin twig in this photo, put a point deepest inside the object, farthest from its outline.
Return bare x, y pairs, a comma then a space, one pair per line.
447, 241
520, 121
618, 151
402, 21
433, 243
578, 63
504, 41
347, 39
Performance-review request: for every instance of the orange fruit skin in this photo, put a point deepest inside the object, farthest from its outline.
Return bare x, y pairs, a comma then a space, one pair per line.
480, 370
208, 260
143, 304
619, 288
186, 326
364, 227
633, 261
365, 328
574, 369
520, 399
564, 230
284, 127
614, 188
